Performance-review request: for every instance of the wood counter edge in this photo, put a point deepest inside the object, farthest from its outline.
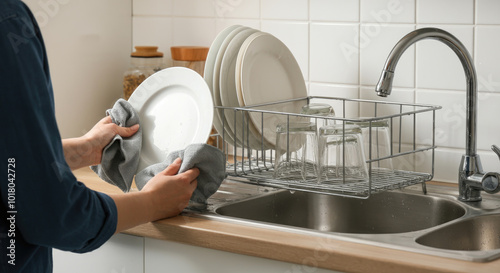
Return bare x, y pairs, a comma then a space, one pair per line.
306, 251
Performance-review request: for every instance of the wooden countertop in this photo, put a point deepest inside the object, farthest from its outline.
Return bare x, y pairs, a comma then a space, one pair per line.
296, 248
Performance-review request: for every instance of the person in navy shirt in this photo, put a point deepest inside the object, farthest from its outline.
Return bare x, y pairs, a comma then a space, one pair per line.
43, 206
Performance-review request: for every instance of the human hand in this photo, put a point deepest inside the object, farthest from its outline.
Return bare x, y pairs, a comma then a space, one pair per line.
87, 150
165, 195
102, 133
170, 192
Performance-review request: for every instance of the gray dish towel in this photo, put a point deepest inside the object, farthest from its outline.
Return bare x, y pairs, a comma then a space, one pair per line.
120, 158
208, 159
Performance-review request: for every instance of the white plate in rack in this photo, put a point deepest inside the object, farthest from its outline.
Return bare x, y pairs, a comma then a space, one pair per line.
268, 72
228, 93
216, 85
175, 109
210, 67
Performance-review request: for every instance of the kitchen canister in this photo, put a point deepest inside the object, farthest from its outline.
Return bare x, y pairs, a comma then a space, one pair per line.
194, 57
144, 62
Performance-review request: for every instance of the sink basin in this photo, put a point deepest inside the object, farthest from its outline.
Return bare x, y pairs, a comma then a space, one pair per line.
435, 223
382, 213
478, 233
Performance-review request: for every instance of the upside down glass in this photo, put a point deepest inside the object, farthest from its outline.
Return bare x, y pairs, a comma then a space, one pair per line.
296, 150
378, 140
341, 156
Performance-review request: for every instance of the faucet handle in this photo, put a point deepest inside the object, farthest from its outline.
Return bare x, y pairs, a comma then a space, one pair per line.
496, 150
491, 180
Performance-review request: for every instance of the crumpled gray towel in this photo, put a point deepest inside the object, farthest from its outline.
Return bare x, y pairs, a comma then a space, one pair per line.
120, 158
208, 159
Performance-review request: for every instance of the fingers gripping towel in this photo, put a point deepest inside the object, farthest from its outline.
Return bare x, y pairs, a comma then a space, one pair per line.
208, 159
120, 158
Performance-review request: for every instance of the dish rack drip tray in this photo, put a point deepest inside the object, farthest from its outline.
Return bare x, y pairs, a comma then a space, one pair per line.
249, 143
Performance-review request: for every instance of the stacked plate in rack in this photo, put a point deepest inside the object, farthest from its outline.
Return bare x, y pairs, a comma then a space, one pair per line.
246, 67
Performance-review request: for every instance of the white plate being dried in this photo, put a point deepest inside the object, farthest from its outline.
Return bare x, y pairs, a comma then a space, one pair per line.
175, 109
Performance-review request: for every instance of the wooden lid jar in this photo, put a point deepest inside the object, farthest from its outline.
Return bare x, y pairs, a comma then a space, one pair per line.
192, 57
144, 62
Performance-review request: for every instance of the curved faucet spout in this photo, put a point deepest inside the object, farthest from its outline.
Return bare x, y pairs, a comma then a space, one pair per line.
384, 85
471, 164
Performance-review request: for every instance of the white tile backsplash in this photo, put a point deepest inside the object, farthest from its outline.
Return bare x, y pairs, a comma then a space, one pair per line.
445, 11
154, 31
194, 8
376, 42
285, 9
152, 7
341, 47
487, 59
488, 113
487, 12
437, 65
334, 56
387, 11
450, 119
193, 31
334, 10
222, 23
446, 162
248, 9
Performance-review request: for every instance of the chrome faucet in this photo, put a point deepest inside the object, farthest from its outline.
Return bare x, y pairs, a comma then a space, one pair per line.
471, 178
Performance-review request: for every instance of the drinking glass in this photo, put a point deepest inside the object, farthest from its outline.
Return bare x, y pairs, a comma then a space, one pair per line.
296, 151
377, 145
341, 156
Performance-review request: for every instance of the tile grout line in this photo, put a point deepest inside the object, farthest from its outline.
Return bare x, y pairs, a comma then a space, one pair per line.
359, 54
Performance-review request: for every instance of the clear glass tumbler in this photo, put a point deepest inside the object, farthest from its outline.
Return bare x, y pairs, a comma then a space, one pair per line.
296, 151
341, 156
377, 145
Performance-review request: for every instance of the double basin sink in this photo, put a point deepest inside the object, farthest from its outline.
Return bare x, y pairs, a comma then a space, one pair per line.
435, 223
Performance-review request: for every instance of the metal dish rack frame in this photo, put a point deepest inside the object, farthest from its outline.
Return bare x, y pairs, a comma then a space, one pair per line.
256, 165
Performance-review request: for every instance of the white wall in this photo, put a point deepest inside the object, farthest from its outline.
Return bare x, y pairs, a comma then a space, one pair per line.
342, 45
88, 44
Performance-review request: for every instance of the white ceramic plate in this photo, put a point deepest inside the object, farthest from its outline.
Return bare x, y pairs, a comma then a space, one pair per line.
175, 109
209, 71
227, 89
268, 72
216, 85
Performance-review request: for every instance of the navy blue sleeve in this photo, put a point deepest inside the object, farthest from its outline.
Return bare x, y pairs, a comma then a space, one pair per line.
52, 208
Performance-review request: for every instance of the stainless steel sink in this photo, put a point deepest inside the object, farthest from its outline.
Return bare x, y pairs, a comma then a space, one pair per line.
480, 233
435, 223
387, 212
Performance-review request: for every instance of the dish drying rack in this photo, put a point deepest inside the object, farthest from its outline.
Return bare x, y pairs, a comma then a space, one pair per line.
412, 134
